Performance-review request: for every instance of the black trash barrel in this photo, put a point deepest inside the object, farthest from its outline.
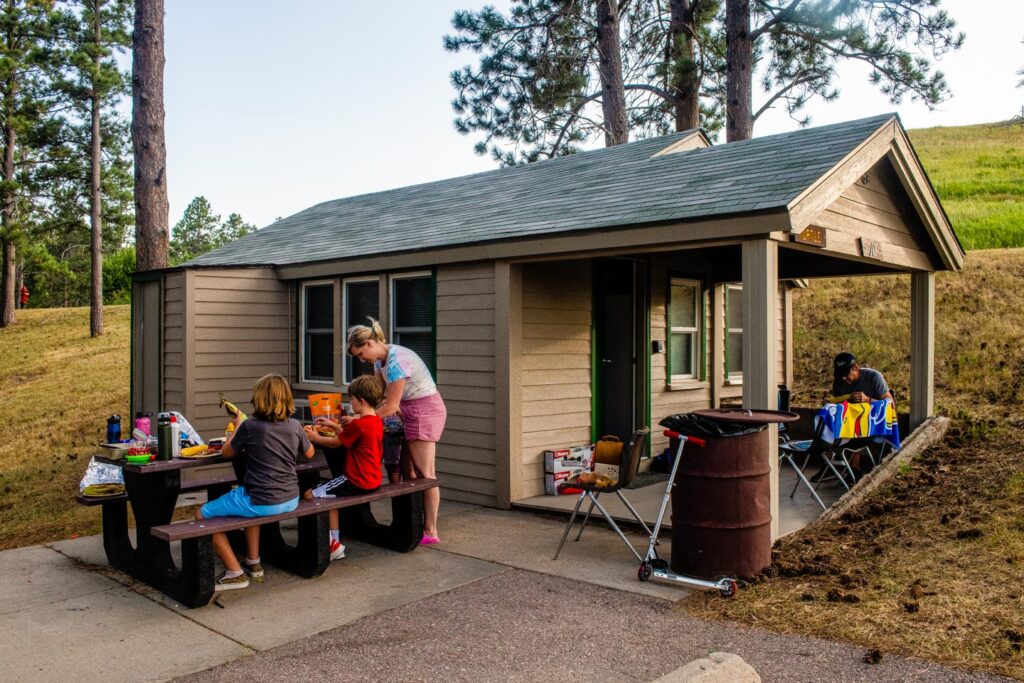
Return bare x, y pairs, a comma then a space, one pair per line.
721, 503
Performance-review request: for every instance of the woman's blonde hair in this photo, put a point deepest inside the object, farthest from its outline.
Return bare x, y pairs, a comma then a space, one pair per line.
369, 388
360, 334
272, 399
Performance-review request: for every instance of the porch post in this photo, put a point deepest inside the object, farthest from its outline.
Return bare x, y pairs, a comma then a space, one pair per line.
760, 347
508, 423
922, 347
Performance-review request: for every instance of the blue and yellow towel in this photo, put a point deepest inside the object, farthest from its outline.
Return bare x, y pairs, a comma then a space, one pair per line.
860, 420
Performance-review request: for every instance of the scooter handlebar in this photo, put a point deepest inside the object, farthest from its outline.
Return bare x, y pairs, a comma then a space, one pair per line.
696, 441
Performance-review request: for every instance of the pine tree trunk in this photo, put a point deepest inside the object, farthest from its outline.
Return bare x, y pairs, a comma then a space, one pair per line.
613, 94
19, 282
95, 200
681, 36
7, 205
739, 57
151, 239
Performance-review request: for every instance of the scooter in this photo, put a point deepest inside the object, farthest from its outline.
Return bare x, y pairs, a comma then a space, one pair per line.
654, 566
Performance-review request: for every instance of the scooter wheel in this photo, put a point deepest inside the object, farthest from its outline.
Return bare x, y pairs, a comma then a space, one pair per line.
644, 572
728, 590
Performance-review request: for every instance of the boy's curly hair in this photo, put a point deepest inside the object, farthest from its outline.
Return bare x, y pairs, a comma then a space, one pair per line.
367, 388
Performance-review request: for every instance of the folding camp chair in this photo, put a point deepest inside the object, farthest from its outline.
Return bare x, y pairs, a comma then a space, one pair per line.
628, 466
790, 450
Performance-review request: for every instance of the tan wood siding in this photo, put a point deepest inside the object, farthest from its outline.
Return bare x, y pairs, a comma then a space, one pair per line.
554, 364
876, 208
174, 393
238, 330
692, 394
466, 380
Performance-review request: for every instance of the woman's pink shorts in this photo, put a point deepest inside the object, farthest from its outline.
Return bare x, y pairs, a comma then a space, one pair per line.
424, 418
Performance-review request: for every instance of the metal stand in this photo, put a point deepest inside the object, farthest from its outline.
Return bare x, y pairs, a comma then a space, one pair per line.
651, 564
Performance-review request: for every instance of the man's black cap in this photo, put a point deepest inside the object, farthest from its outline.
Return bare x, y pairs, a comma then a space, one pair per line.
842, 364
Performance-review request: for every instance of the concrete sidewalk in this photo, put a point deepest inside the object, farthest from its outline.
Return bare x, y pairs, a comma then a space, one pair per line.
487, 604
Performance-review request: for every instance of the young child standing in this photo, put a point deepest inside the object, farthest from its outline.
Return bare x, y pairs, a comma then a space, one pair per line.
272, 441
363, 440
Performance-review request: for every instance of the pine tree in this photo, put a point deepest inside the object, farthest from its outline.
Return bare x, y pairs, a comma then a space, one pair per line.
548, 78
95, 32
26, 35
201, 230
803, 42
151, 238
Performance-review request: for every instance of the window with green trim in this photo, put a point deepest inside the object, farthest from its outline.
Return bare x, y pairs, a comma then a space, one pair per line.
734, 332
684, 329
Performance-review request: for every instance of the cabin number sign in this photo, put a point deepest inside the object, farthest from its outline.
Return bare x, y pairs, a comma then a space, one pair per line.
870, 248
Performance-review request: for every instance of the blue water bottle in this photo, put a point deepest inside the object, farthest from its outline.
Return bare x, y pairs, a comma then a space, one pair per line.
114, 429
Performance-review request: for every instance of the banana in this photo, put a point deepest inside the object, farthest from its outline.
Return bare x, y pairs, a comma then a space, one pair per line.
193, 451
230, 407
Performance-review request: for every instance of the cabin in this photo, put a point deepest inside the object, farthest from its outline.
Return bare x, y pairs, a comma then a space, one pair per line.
562, 300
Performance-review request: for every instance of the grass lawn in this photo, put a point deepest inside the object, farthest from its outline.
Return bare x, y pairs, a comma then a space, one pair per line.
57, 387
932, 565
978, 172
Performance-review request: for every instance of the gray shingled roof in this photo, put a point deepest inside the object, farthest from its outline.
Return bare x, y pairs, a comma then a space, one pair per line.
614, 186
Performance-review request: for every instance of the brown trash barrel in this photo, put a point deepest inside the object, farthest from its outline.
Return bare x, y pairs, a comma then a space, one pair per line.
721, 503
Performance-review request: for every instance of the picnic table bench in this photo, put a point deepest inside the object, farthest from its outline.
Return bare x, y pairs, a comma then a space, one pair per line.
152, 492
194, 582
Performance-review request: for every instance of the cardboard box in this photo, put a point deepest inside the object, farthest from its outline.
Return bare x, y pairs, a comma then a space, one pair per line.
577, 457
563, 463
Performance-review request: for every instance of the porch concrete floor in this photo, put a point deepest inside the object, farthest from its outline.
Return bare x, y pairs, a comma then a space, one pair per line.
794, 513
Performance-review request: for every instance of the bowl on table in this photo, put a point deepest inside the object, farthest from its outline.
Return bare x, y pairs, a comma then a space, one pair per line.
138, 458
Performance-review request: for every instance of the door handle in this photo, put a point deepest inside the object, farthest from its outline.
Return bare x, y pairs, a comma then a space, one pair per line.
606, 361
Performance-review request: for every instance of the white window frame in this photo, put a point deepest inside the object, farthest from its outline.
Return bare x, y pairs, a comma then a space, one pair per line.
731, 376
344, 318
302, 328
694, 331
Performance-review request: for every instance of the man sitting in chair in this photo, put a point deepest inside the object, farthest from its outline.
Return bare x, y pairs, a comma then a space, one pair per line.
857, 384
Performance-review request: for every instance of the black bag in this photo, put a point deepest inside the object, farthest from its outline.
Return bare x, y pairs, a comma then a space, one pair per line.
692, 424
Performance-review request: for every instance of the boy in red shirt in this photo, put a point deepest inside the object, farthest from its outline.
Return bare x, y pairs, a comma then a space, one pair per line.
363, 439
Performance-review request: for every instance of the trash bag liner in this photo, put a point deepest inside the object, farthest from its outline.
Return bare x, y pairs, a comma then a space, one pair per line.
692, 424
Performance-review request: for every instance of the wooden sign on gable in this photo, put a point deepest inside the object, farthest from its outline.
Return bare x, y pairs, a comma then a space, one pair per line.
870, 248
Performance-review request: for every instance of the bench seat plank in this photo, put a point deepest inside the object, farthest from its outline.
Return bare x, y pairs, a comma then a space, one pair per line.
196, 528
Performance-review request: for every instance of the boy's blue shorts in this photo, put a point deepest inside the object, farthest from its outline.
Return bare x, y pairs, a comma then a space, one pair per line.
236, 503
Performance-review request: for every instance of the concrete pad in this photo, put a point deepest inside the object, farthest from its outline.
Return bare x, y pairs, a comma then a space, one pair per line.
370, 580
718, 667
63, 622
527, 541
794, 513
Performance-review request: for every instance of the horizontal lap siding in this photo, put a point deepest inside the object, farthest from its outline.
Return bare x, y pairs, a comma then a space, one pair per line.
666, 401
876, 210
240, 330
173, 343
466, 380
554, 364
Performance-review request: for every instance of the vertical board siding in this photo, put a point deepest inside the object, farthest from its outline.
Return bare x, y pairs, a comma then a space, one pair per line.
238, 327
466, 380
666, 400
554, 364
173, 360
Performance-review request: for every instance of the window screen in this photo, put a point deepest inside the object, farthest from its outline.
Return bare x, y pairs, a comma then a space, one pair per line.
318, 332
412, 315
362, 300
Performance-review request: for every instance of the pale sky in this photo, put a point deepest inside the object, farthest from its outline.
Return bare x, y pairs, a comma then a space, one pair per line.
273, 107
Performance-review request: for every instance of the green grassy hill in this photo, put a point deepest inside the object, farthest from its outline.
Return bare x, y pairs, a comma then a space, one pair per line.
978, 172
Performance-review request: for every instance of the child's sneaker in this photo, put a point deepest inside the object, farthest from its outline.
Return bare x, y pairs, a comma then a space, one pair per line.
337, 550
225, 583
254, 571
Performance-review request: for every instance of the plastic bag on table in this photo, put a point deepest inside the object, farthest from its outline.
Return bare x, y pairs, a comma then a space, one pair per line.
101, 479
188, 432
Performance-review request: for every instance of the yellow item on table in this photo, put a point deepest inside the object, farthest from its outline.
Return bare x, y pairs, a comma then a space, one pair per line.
839, 399
194, 450
102, 490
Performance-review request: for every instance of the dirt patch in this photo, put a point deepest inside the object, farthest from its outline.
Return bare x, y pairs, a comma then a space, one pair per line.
930, 565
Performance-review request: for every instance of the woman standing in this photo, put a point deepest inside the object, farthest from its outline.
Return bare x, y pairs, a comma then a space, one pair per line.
412, 393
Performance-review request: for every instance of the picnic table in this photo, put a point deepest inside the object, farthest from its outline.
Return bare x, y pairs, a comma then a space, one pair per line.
152, 491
